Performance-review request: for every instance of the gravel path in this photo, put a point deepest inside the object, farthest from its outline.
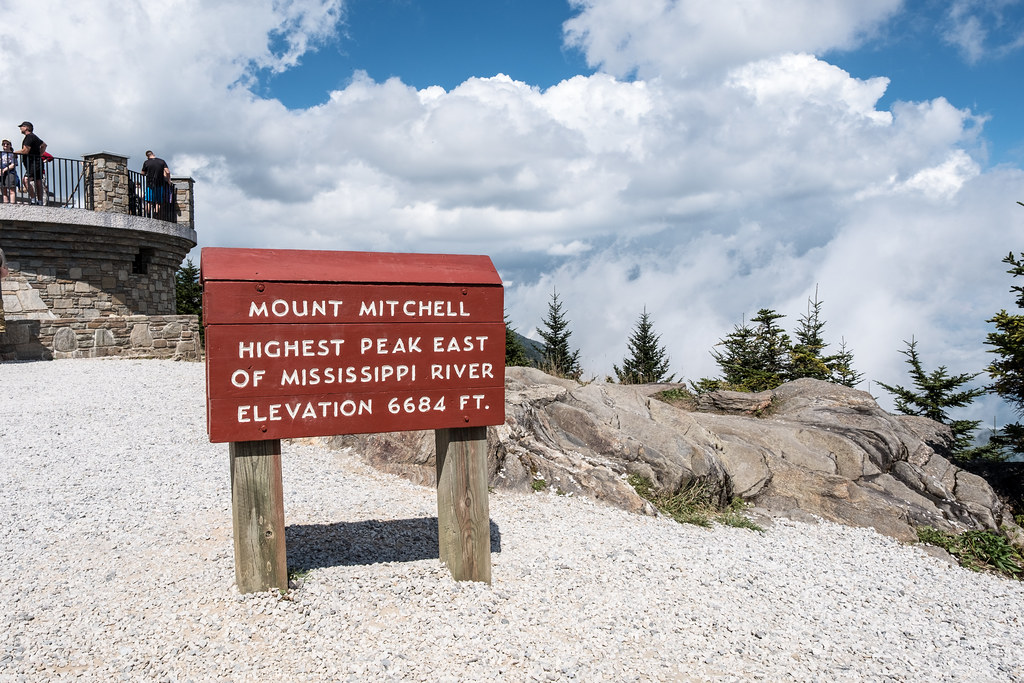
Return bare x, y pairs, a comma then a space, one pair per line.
118, 565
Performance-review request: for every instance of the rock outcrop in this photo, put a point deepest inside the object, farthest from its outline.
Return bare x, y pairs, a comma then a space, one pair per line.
807, 449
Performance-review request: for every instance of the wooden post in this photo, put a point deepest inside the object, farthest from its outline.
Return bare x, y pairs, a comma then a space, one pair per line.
463, 518
257, 512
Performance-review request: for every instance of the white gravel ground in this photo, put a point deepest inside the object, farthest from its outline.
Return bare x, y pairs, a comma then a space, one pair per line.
117, 564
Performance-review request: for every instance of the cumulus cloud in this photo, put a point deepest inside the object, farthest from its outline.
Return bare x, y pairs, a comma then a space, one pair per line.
690, 38
715, 165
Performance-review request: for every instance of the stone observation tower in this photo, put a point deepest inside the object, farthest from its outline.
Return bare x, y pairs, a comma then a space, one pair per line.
91, 273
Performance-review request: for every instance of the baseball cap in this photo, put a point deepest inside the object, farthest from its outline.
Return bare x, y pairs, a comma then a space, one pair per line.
25, 123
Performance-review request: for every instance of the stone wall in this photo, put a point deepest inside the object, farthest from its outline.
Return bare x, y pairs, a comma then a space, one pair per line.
184, 200
84, 271
107, 176
86, 284
173, 337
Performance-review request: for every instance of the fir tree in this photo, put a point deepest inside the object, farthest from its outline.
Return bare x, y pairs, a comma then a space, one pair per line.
515, 352
772, 347
648, 362
806, 357
559, 358
935, 392
841, 367
188, 292
761, 357
737, 360
1007, 371
755, 358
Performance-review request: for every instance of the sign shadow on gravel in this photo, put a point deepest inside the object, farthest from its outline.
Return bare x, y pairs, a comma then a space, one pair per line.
344, 544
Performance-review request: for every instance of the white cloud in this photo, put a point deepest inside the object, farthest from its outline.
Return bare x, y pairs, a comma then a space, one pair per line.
574, 248
763, 173
690, 38
946, 179
982, 29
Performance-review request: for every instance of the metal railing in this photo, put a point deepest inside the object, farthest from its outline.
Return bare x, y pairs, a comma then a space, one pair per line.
68, 183
61, 182
159, 201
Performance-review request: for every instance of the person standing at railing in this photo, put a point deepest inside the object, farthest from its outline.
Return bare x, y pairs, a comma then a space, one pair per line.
8, 173
158, 179
32, 149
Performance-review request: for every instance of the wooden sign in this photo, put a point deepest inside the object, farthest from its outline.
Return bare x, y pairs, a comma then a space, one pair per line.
317, 343
308, 343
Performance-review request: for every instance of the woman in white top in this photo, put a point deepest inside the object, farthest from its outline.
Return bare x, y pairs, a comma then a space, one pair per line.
8, 173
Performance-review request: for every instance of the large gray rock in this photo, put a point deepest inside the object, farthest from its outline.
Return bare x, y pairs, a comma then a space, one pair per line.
806, 449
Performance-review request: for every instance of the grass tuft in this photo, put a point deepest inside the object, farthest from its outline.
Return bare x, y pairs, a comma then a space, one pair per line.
693, 504
977, 550
680, 397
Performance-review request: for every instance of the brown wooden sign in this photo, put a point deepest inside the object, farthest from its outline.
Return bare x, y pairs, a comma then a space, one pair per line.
312, 343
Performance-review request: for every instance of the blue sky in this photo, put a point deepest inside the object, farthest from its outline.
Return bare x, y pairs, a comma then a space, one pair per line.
445, 42
440, 42
700, 160
921, 64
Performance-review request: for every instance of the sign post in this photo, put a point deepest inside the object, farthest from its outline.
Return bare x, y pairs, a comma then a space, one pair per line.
314, 343
257, 514
463, 518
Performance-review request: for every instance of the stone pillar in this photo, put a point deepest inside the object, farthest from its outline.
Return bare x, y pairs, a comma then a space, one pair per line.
107, 187
184, 202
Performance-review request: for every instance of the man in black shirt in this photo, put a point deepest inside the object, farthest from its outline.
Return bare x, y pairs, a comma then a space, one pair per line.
32, 149
158, 178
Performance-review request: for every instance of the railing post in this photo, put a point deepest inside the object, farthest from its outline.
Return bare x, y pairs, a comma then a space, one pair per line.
107, 182
184, 202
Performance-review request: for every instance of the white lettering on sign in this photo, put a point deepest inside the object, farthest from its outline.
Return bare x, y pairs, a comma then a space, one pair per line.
462, 370
280, 308
286, 349
383, 346
464, 400
377, 308
413, 309
443, 344
304, 410
348, 375
412, 404
240, 378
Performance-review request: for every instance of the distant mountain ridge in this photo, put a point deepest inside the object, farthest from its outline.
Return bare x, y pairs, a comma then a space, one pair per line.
534, 349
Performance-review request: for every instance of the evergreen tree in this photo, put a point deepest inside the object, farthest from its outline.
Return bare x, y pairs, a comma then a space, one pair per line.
935, 392
738, 361
515, 352
806, 358
1007, 371
188, 292
648, 362
761, 357
559, 358
754, 358
842, 367
773, 348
